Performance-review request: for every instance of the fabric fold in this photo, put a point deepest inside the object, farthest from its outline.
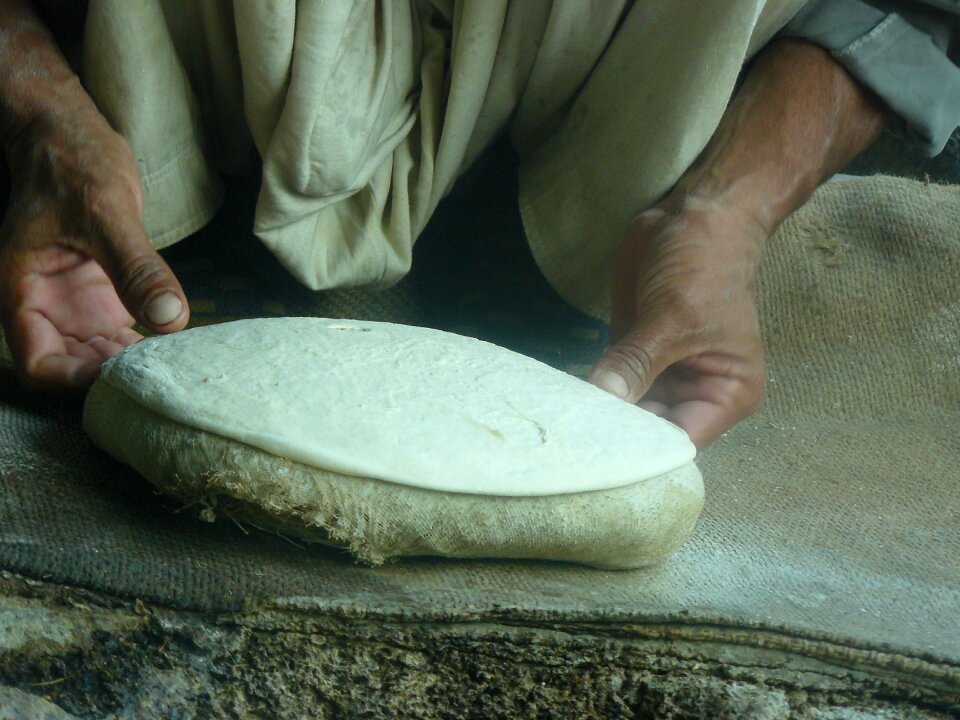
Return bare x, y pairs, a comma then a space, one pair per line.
360, 116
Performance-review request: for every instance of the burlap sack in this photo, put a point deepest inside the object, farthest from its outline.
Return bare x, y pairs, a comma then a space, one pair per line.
831, 526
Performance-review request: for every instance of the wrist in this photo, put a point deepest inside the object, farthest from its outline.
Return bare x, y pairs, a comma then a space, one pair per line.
729, 211
762, 192
799, 118
37, 86
49, 112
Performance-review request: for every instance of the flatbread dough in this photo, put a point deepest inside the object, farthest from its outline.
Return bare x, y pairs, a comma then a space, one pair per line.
397, 440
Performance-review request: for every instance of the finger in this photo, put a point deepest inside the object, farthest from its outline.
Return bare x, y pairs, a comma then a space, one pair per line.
47, 361
63, 372
144, 282
703, 421
126, 336
678, 384
105, 348
629, 367
652, 406
81, 350
32, 337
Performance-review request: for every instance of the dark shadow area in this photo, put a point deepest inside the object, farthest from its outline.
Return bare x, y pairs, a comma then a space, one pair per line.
473, 274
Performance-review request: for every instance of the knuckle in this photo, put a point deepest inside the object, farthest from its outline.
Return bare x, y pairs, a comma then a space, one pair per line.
668, 303
102, 200
689, 319
634, 357
47, 161
139, 275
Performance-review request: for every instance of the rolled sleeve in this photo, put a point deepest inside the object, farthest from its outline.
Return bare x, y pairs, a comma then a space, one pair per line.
898, 52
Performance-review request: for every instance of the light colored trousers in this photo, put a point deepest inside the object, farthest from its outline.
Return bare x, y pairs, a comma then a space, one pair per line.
363, 113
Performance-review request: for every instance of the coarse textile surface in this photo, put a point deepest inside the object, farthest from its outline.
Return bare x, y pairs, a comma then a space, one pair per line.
832, 515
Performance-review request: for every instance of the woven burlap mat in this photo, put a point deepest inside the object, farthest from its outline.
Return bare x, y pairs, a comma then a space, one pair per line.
832, 515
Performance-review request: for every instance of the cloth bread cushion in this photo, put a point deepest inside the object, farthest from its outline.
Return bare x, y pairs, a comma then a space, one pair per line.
395, 440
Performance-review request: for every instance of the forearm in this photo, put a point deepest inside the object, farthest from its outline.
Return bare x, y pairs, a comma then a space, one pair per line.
799, 118
35, 79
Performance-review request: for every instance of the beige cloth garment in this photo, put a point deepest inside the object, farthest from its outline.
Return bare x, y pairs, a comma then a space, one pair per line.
363, 114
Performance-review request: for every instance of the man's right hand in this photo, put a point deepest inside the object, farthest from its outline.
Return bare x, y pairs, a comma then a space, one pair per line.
77, 269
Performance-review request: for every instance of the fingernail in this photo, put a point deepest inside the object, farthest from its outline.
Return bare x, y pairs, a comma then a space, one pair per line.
163, 309
612, 382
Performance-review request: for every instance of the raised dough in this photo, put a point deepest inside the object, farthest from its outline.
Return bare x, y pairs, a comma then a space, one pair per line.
405, 404
394, 440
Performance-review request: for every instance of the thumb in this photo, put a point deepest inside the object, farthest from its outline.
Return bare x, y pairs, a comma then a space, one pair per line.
629, 367
144, 282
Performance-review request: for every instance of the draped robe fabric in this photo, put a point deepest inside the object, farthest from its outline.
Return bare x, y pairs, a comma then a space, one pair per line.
359, 116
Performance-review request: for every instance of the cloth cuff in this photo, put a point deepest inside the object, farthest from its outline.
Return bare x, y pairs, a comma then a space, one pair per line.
892, 57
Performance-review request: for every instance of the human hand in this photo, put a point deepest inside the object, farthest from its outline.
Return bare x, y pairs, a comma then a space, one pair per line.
76, 266
684, 322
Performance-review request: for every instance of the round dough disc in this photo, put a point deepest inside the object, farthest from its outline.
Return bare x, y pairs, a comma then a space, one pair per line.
397, 440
